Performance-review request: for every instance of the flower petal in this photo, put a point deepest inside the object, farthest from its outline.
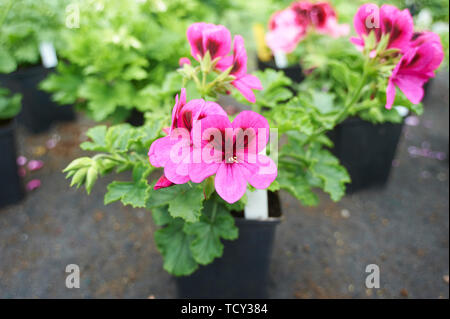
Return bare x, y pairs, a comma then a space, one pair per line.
260, 174
230, 183
159, 151
217, 40
195, 37
162, 182
252, 120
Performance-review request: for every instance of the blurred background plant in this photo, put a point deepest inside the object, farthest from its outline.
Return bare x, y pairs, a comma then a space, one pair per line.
117, 59
9, 105
24, 24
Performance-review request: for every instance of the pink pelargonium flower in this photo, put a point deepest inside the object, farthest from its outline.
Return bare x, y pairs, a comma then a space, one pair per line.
163, 182
286, 30
415, 68
398, 24
243, 82
205, 37
184, 115
232, 152
324, 19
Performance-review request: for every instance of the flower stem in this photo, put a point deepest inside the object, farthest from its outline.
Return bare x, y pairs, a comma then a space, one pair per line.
214, 211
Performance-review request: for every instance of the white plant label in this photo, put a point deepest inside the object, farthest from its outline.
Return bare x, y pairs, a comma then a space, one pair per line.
257, 207
48, 55
280, 59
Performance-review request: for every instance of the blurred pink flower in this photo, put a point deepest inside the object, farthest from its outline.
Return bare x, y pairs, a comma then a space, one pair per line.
205, 37
398, 24
33, 184
184, 61
286, 30
35, 165
21, 160
324, 19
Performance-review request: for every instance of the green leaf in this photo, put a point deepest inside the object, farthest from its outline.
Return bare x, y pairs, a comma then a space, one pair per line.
98, 136
161, 215
298, 186
174, 245
324, 101
7, 62
10, 105
184, 200
215, 223
333, 175
130, 193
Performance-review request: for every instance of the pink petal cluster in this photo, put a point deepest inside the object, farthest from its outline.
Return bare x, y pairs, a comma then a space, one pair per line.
289, 26
205, 37
416, 67
420, 53
398, 24
216, 39
235, 158
185, 154
184, 115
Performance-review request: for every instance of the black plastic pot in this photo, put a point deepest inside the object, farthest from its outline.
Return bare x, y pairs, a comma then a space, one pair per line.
11, 188
294, 72
243, 270
39, 112
366, 150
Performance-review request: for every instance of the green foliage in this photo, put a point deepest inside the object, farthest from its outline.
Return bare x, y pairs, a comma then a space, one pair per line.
121, 54
337, 71
303, 161
10, 105
24, 25
184, 245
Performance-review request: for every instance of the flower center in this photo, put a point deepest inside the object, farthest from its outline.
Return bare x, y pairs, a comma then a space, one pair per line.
232, 159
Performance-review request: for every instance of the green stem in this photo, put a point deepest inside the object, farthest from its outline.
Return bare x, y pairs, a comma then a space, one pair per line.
214, 211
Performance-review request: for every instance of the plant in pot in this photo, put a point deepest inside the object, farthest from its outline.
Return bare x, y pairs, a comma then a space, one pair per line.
29, 33
215, 170
115, 68
388, 63
11, 190
294, 30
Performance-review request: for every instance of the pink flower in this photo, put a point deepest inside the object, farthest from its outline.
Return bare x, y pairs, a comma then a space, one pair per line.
184, 61
244, 82
21, 160
324, 19
387, 20
235, 157
35, 165
302, 11
163, 182
419, 38
286, 30
415, 68
163, 153
33, 184
205, 37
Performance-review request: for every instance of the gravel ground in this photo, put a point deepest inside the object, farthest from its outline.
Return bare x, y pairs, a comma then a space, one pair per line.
319, 252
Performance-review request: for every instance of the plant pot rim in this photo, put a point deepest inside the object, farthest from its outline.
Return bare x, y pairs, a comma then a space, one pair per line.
356, 120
